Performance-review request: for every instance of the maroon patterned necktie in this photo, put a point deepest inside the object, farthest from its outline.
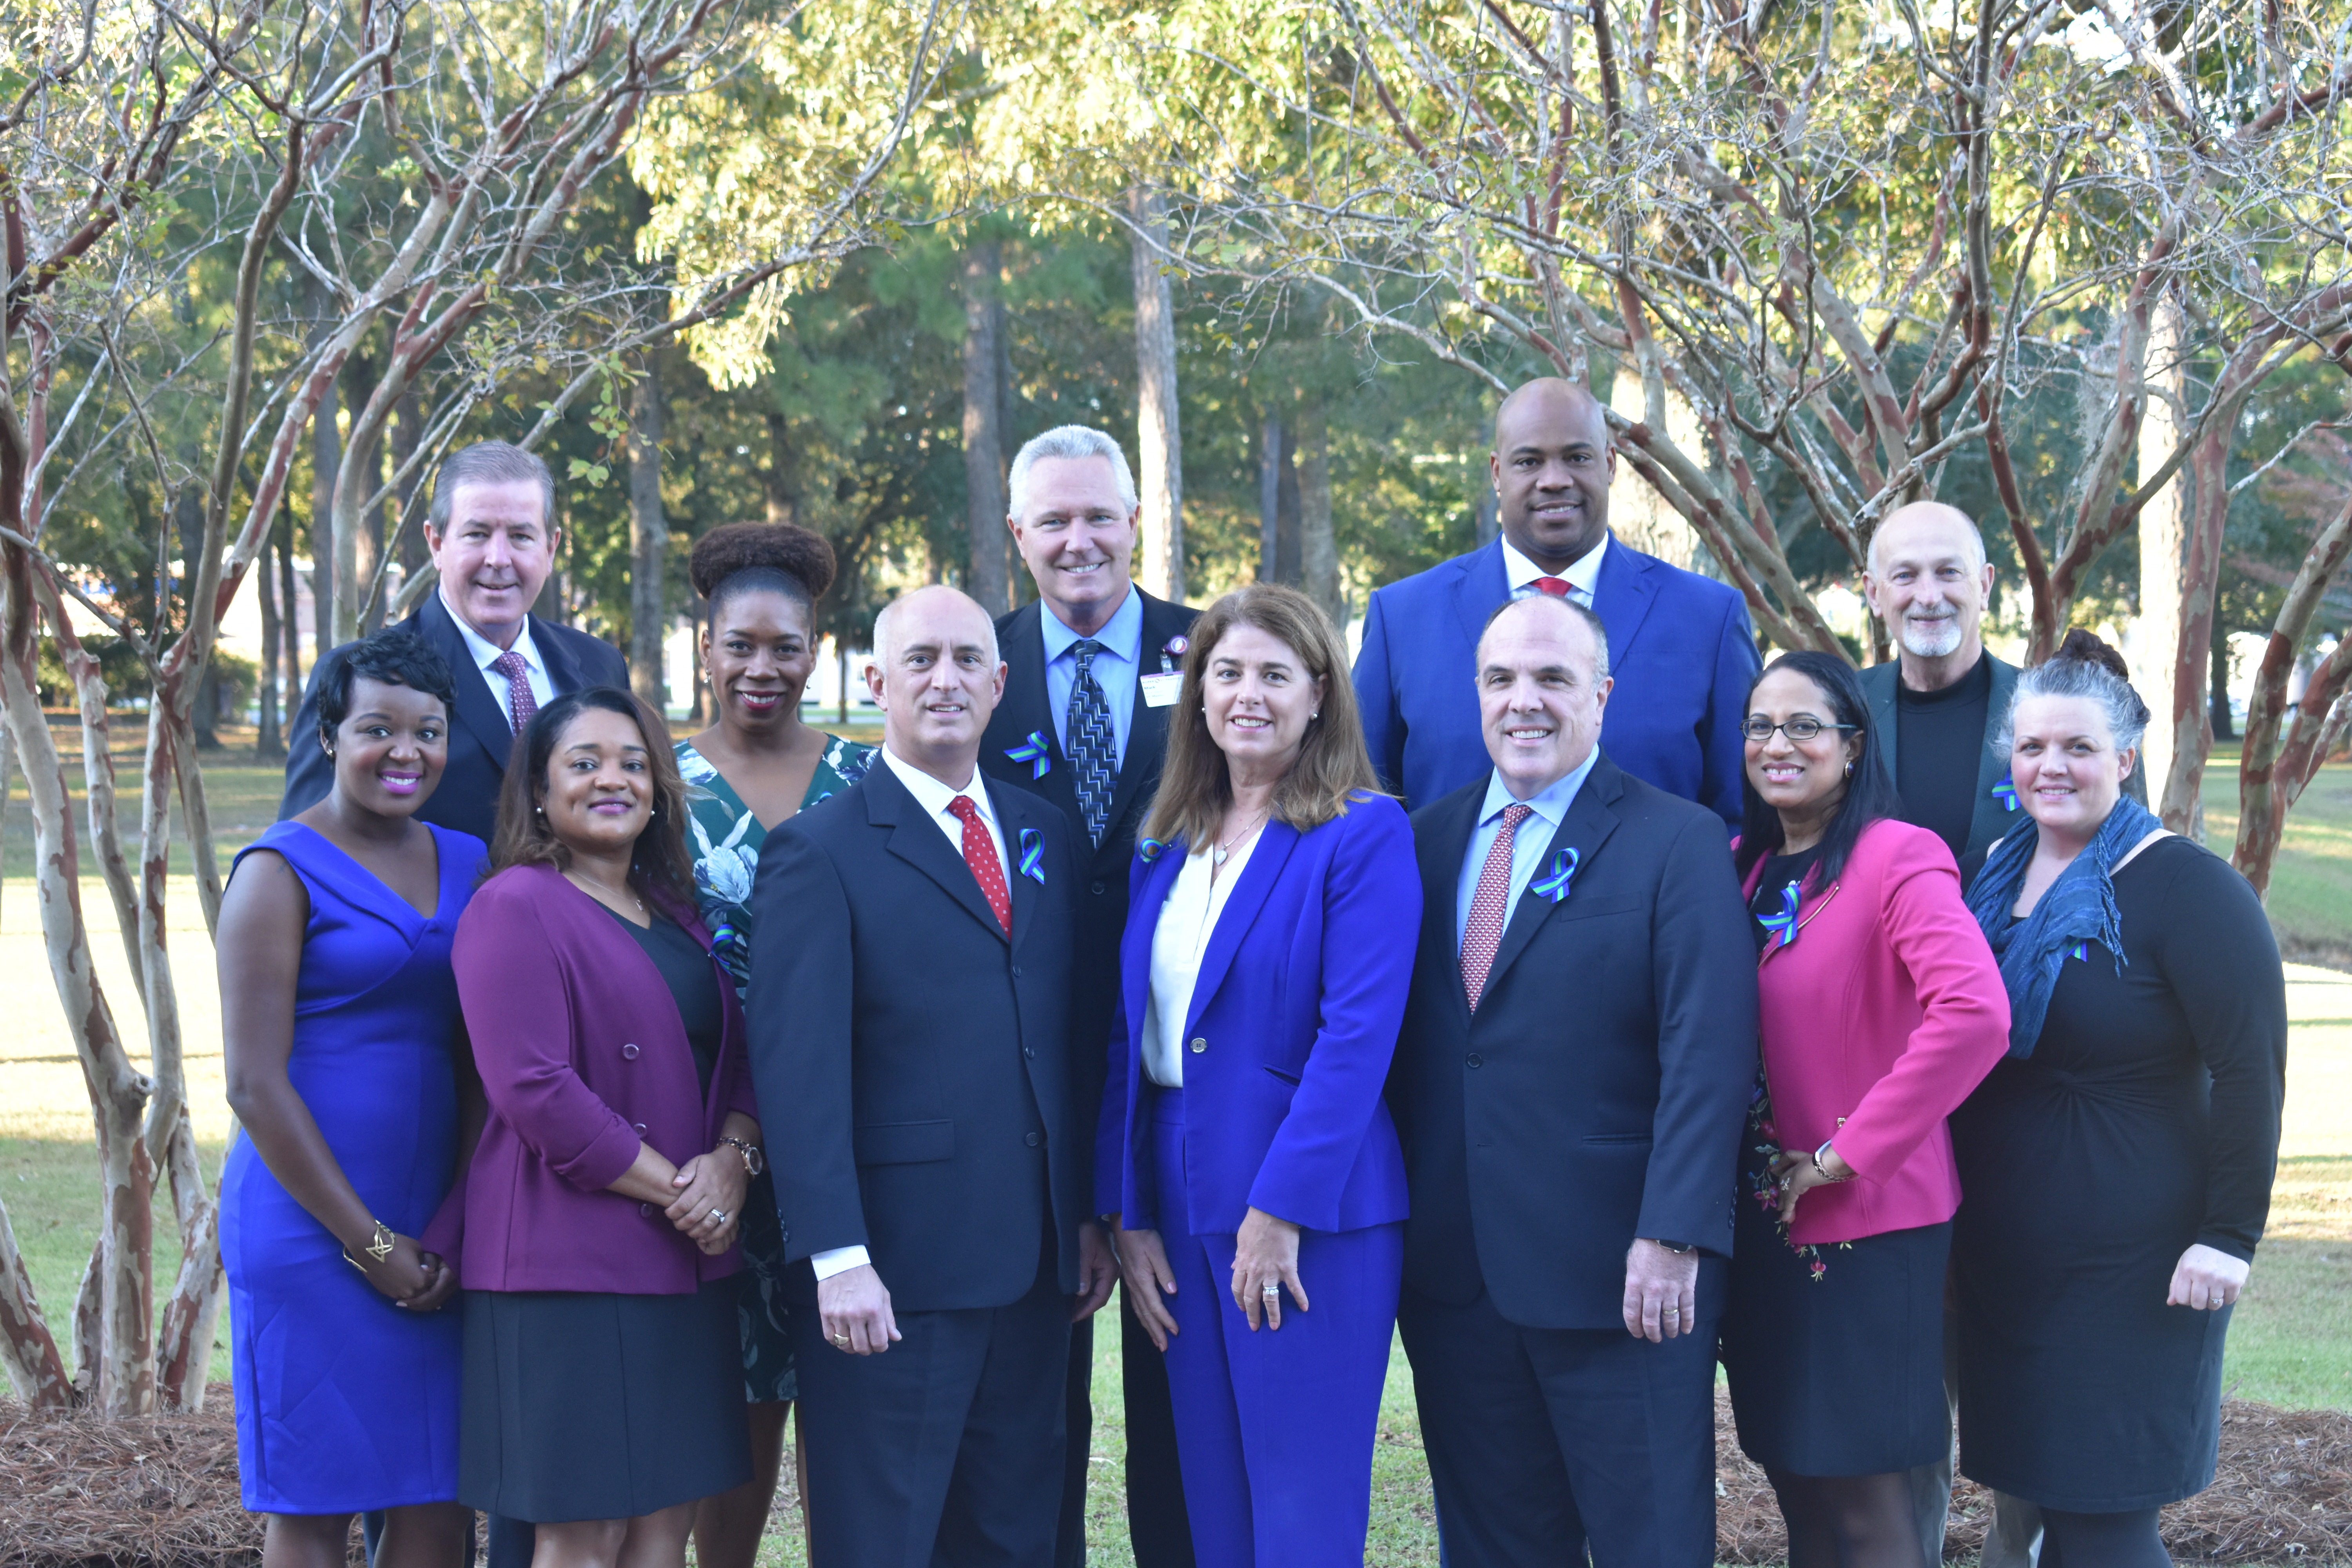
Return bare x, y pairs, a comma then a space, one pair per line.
520, 704
981, 856
1484, 933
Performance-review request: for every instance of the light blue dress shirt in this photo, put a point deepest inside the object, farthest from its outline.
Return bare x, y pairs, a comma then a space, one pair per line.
1114, 668
1535, 836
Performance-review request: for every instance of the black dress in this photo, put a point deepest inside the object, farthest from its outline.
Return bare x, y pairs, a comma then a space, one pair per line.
1835, 1354
582, 1406
2146, 1120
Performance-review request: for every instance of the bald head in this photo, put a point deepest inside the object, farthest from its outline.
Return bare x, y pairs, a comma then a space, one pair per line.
936, 677
1928, 581
1552, 466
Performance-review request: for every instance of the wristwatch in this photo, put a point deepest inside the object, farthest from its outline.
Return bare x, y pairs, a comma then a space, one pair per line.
754, 1159
1676, 1248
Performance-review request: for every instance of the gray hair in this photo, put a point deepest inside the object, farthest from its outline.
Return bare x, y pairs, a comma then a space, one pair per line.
1582, 612
1072, 441
491, 463
888, 618
2126, 714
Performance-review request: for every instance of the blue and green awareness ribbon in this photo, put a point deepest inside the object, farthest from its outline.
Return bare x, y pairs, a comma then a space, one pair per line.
1783, 924
1151, 848
2005, 792
1033, 855
1034, 751
1553, 884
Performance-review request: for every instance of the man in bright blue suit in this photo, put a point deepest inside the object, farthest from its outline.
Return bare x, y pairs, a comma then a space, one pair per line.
1684, 653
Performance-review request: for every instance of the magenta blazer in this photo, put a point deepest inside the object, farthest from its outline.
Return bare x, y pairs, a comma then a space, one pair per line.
582, 1055
1876, 1021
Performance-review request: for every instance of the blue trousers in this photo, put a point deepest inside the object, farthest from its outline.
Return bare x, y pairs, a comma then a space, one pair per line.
1275, 1429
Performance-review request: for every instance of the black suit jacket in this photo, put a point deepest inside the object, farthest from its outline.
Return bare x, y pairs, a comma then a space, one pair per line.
479, 734
1102, 899
1597, 1093
914, 1067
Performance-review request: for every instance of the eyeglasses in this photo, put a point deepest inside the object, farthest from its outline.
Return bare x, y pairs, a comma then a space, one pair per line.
1802, 728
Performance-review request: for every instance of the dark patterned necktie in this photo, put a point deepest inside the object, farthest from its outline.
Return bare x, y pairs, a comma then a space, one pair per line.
1093, 749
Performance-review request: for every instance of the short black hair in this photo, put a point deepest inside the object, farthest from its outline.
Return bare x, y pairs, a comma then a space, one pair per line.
397, 656
1870, 794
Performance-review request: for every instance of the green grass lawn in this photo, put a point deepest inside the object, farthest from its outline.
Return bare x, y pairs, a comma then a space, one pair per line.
2291, 1343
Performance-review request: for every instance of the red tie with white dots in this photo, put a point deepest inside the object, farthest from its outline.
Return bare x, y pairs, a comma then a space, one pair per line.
1483, 932
980, 854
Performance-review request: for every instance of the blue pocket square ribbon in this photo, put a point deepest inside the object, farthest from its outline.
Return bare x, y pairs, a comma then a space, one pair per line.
1035, 752
1033, 855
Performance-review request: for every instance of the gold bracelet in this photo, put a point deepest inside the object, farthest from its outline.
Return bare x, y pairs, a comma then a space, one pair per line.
379, 1246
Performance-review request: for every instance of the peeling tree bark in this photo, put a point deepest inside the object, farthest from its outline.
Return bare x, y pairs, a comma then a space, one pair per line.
648, 537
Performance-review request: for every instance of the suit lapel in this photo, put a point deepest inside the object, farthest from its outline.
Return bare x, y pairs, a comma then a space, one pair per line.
562, 670
1012, 820
1885, 730
1622, 596
921, 842
1275, 843
1147, 727
1482, 586
1991, 767
1143, 918
1590, 819
1441, 849
477, 710
1031, 709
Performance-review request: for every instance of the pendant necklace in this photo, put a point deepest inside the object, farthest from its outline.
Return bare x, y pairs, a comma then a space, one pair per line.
1224, 852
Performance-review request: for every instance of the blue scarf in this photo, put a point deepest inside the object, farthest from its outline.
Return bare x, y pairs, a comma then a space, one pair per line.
2076, 908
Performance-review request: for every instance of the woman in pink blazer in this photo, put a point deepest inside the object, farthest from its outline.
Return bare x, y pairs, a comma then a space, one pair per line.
1880, 1007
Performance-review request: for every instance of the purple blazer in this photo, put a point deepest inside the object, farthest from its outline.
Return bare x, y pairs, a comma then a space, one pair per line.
583, 1054
1301, 993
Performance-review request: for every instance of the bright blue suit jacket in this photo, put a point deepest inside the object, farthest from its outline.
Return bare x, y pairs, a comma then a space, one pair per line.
1294, 1018
1680, 647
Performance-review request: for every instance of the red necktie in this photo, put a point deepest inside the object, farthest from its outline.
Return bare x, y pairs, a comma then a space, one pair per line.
1558, 587
520, 704
981, 856
1484, 933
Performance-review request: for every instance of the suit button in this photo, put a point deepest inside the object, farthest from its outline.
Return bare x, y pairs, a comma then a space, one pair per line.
1016, 971
645, 1208
639, 1127
1199, 1046
1098, 889
628, 1053
1477, 1060
1029, 1053
1034, 1139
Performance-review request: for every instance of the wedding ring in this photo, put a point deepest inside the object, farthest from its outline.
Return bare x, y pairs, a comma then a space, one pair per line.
1674, 1313
720, 1215
1271, 1292
840, 1339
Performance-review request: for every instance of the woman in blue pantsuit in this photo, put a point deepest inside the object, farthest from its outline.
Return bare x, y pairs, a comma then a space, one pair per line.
1258, 1184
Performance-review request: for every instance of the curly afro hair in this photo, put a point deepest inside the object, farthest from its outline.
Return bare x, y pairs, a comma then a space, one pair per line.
740, 557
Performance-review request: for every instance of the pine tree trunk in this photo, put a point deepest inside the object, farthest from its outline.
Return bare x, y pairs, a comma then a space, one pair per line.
1159, 438
1318, 551
1269, 499
648, 539
986, 579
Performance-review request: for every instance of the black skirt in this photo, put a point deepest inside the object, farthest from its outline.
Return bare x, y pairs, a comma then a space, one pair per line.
1835, 1355
581, 1407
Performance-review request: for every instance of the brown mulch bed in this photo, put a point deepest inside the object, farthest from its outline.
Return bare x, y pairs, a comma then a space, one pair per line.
2283, 1494
161, 1492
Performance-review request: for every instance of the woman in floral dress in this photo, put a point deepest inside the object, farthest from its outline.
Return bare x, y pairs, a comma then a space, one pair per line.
756, 766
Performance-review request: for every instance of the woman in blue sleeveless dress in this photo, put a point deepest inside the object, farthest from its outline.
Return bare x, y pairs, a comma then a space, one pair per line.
345, 1063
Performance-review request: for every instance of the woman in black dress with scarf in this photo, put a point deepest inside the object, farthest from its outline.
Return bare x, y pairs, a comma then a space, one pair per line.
2118, 1165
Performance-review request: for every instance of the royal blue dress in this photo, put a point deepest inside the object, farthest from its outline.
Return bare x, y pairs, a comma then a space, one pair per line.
344, 1402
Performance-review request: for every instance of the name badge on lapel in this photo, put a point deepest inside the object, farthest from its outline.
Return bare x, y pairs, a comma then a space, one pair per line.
1160, 690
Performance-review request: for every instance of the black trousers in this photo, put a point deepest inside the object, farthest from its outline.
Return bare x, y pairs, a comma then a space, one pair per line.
1544, 1442
947, 1448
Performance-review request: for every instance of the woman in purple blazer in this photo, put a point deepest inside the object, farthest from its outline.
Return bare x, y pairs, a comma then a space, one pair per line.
603, 1387
1259, 1189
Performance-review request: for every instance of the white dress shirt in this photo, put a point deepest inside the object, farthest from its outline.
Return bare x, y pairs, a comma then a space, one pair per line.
487, 653
936, 799
1582, 575
1187, 919
1535, 835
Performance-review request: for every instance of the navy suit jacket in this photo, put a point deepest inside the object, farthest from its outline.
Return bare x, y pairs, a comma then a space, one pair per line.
467, 799
1680, 648
1293, 1021
1102, 879
1598, 1092
918, 1059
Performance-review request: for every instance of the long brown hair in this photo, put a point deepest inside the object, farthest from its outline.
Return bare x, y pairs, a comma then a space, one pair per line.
660, 863
1332, 767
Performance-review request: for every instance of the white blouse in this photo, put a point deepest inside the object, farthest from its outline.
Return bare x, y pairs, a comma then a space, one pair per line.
1186, 921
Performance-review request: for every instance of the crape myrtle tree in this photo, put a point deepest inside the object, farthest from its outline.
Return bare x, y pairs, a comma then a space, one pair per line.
1847, 252
336, 172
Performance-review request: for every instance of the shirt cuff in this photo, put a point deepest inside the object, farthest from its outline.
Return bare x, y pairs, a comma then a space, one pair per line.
838, 1260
